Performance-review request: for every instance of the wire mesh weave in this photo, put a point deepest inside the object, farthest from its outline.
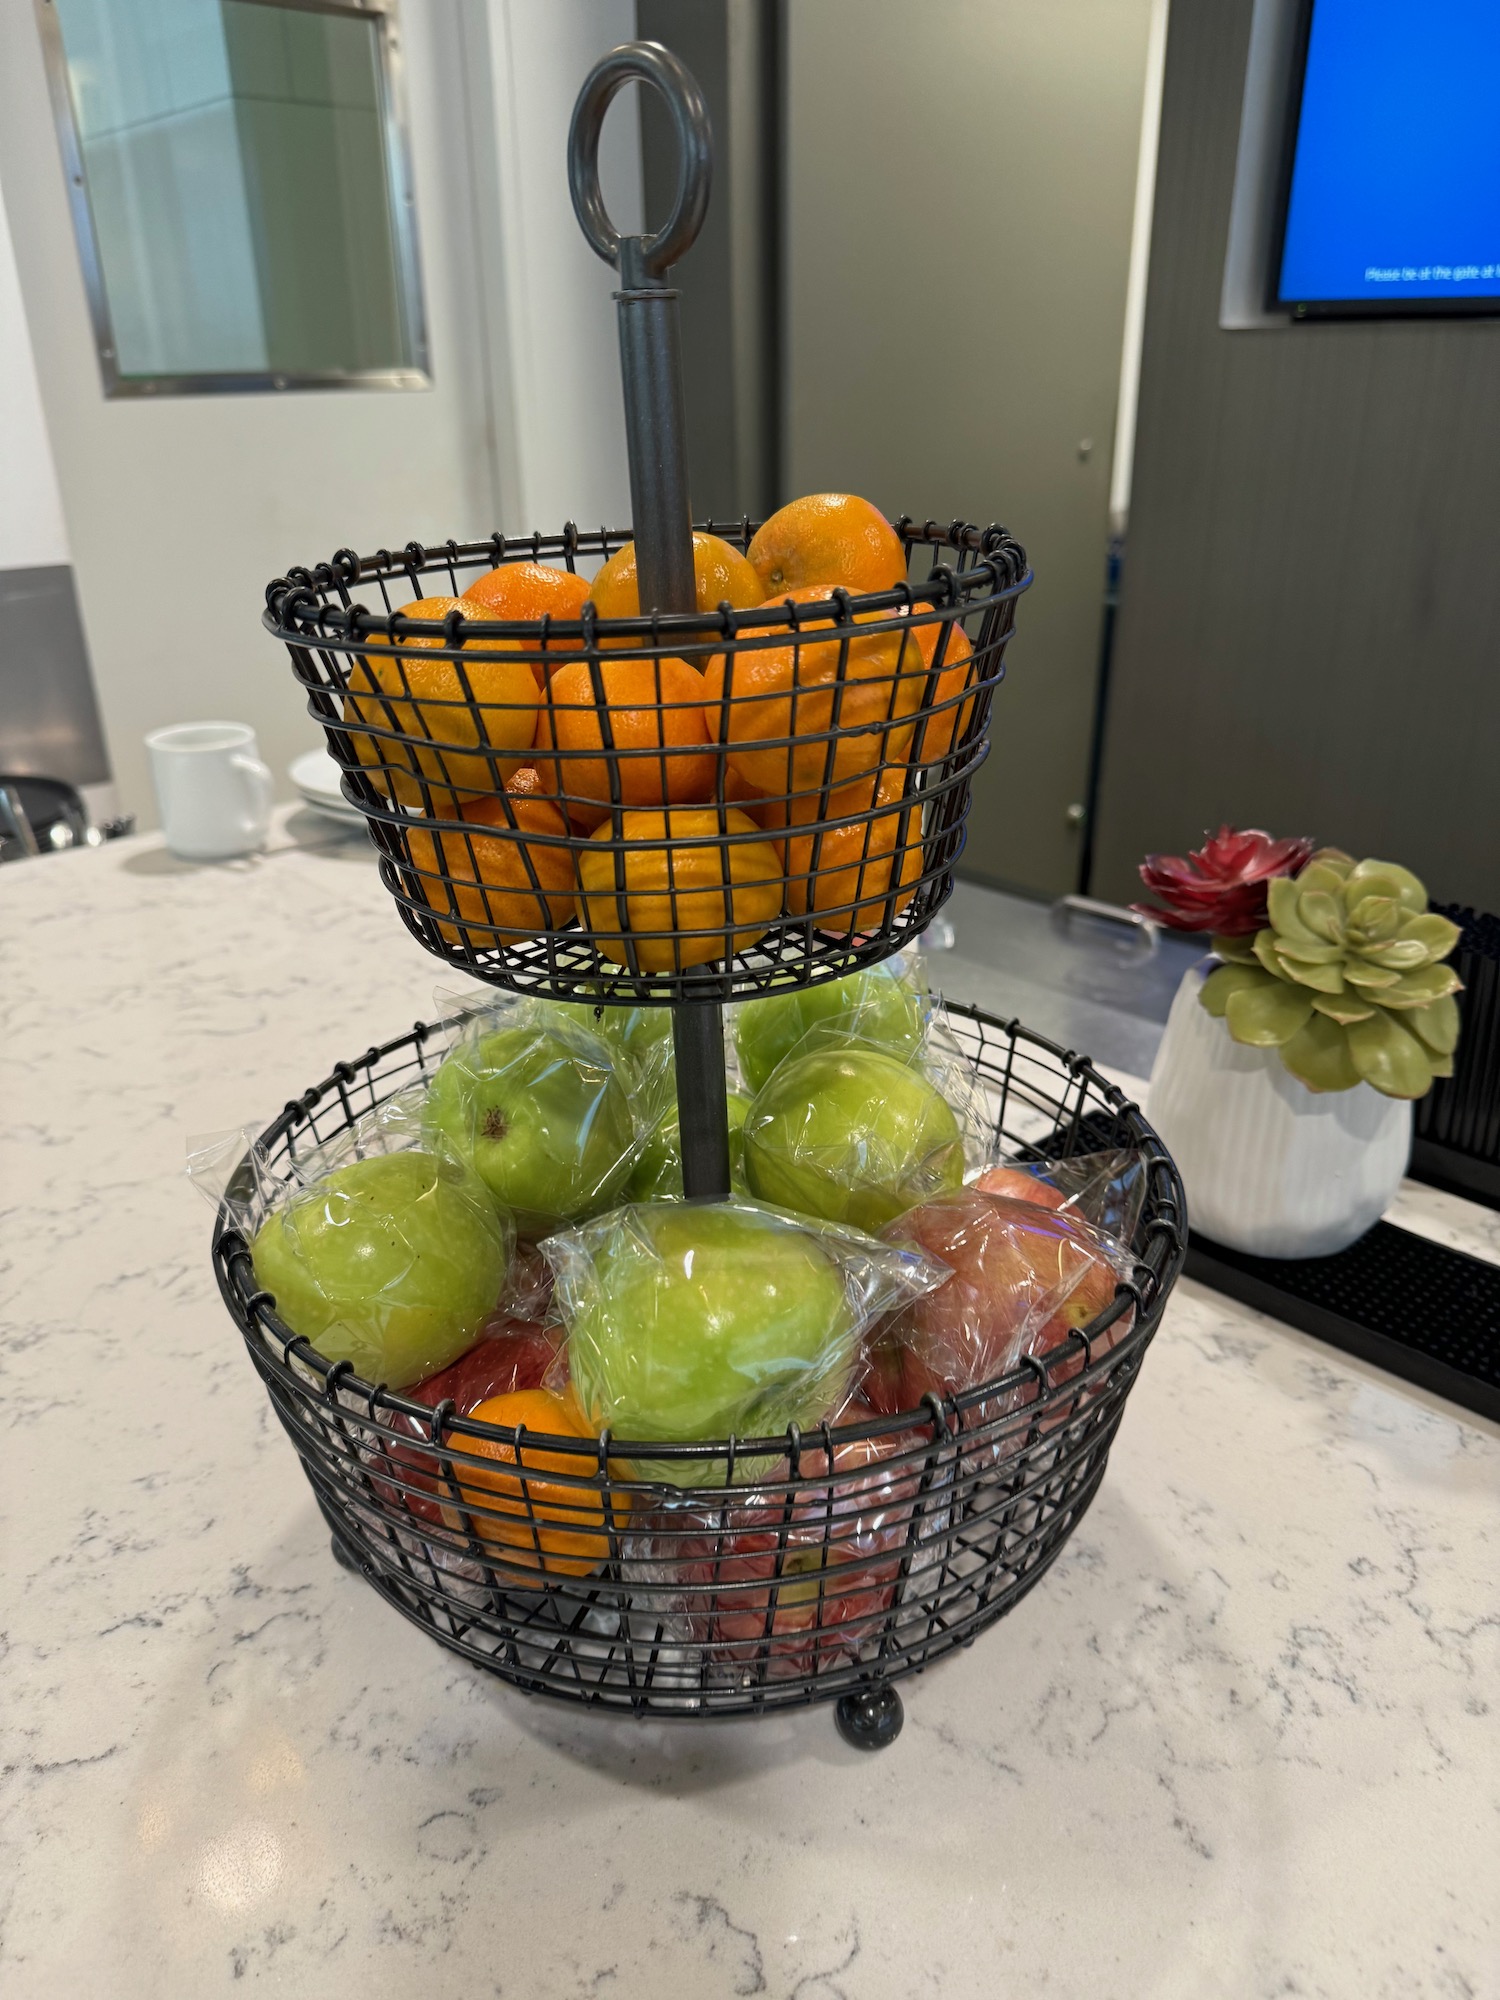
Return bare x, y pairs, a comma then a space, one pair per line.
601, 825
863, 1552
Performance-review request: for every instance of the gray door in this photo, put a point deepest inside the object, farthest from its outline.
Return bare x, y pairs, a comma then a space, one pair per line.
960, 184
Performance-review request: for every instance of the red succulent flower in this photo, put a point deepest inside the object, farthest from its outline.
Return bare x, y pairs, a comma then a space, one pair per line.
1222, 886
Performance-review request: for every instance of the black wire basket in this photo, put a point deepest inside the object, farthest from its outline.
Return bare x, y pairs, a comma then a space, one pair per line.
684, 809
560, 808
853, 1556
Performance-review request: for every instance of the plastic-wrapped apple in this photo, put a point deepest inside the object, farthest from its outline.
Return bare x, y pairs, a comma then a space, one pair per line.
882, 1379
1019, 1185
853, 1135
881, 1005
1106, 1188
644, 1034
696, 1320
1023, 1278
392, 1263
511, 1354
864, 1500
657, 1175
540, 1114
755, 1591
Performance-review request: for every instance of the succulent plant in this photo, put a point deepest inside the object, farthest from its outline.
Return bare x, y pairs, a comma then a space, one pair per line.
1221, 886
1346, 980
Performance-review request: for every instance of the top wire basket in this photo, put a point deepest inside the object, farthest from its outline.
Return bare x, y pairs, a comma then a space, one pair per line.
561, 808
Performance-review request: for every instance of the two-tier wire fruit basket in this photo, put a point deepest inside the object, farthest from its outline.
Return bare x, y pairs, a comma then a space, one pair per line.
559, 813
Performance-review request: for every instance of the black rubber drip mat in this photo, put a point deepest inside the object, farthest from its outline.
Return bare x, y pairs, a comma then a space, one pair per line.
1417, 1308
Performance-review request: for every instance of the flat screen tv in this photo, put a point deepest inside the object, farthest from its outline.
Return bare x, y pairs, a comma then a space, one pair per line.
1393, 172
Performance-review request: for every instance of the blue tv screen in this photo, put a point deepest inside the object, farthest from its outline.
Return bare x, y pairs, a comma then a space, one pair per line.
1394, 195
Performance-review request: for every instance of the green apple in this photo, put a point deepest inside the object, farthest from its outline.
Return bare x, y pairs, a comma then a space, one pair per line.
642, 1033
542, 1118
392, 1263
878, 1005
694, 1320
852, 1135
658, 1168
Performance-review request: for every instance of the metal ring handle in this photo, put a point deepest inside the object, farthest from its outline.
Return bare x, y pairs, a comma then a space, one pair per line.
642, 62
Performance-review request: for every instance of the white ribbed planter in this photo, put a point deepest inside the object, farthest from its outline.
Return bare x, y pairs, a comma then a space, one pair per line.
1270, 1167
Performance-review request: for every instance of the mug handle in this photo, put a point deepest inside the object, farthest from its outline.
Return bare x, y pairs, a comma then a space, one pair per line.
262, 788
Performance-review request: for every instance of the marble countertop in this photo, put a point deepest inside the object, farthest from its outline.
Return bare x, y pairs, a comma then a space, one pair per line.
1242, 1741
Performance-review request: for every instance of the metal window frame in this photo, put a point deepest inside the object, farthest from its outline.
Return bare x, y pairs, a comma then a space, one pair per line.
404, 228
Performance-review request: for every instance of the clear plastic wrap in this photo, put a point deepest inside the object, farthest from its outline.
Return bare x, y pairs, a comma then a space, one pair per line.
643, 1034
884, 1006
543, 1111
657, 1174
380, 1250
1023, 1278
690, 1321
510, 1354
854, 1134
1107, 1189
802, 1572
750, 1588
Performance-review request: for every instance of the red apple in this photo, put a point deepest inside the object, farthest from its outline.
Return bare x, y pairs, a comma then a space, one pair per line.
862, 1501
880, 1383
1055, 1334
1016, 1183
784, 1594
1022, 1274
514, 1354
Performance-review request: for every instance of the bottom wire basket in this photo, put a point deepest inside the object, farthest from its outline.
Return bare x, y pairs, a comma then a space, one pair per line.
855, 1555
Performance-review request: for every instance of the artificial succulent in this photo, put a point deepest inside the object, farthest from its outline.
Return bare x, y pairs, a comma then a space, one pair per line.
1346, 980
1220, 886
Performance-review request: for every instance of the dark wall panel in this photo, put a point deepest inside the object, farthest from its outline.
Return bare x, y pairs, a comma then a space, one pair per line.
49, 715
1309, 638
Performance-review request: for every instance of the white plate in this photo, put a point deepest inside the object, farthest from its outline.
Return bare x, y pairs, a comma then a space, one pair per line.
317, 777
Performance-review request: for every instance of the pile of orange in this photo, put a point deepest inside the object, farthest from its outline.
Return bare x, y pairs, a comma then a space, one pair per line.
658, 761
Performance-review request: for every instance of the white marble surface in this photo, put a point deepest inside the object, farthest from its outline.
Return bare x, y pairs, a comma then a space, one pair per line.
1243, 1741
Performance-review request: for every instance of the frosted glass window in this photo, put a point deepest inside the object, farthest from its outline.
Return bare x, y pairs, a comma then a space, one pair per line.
241, 192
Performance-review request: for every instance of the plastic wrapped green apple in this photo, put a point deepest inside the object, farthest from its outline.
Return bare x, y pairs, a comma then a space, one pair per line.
536, 1108
853, 1135
883, 1005
658, 1170
701, 1320
392, 1263
643, 1034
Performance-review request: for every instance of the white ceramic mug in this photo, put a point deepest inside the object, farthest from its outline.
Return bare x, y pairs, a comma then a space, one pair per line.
214, 792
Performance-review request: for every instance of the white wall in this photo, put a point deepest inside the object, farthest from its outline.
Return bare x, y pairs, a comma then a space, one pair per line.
180, 510
31, 517
568, 414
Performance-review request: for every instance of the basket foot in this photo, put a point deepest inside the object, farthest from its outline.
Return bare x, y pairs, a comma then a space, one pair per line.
343, 1558
870, 1719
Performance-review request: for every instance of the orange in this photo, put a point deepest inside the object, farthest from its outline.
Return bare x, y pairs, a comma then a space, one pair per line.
489, 885
530, 590
935, 737
720, 572
790, 690
828, 538
455, 729
561, 1530
676, 909
829, 874
769, 813
657, 721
